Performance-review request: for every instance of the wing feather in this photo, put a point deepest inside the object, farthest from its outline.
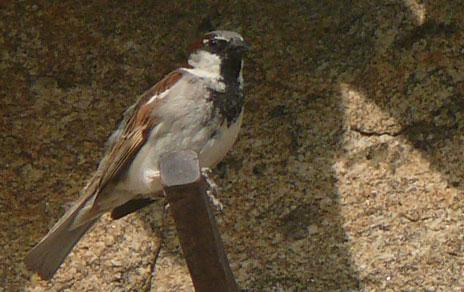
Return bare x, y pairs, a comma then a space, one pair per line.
124, 146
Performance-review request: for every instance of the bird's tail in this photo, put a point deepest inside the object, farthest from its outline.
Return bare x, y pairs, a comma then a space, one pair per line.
47, 256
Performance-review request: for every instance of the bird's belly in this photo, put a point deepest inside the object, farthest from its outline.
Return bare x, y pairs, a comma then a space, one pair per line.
143, 178
217, 146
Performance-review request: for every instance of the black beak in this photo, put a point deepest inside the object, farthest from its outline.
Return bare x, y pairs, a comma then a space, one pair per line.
240, 46
245, 47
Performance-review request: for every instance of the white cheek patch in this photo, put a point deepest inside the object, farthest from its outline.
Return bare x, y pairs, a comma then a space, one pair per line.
207, 66
205, 63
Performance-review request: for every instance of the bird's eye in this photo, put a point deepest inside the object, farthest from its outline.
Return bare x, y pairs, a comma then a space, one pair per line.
213, 42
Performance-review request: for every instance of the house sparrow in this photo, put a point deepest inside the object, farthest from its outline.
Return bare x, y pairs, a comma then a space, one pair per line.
198, 107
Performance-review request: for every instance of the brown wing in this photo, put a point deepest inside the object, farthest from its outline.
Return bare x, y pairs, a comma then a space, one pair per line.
122, 151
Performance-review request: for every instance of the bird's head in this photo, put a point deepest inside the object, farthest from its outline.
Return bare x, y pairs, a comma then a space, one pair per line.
219, 52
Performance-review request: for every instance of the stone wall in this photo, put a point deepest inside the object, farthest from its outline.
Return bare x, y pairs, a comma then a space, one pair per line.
347, 174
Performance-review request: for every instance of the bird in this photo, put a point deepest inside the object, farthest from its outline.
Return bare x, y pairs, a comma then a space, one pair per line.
197, 107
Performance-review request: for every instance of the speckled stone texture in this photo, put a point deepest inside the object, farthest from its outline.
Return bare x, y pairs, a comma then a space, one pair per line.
348, 173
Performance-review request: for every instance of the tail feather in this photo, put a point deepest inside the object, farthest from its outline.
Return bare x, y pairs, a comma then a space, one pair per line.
47, 256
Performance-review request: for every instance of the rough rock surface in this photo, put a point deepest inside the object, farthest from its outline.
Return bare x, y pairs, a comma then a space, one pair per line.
348, 173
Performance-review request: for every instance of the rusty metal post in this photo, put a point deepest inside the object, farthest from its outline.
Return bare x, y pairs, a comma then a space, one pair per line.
196, 227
